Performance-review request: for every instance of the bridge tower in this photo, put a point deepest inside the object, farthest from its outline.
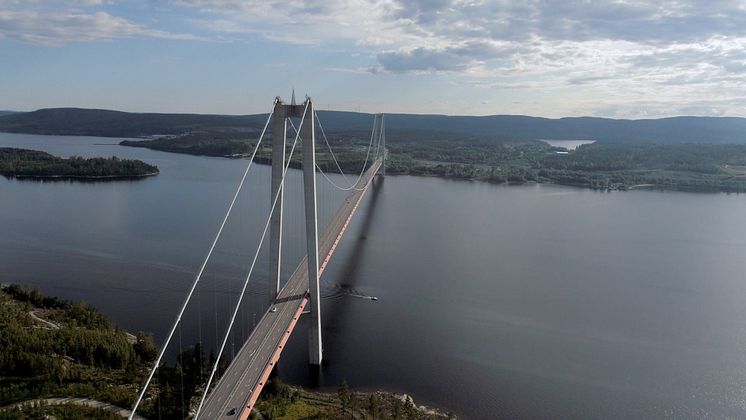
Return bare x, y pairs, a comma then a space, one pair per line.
383, 143
282, 112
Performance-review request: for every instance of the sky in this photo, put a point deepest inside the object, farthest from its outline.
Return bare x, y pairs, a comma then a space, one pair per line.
619, 59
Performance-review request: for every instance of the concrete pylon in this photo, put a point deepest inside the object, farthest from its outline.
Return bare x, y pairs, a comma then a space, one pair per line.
307, 134
383, 145
279, 125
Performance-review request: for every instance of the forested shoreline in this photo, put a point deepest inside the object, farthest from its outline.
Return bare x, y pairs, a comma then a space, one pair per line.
603, 166
58, 348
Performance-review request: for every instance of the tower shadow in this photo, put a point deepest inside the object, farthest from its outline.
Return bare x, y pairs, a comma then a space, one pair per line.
336, 305
348, 274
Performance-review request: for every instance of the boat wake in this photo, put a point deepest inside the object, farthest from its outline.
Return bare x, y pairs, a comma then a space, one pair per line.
337, 291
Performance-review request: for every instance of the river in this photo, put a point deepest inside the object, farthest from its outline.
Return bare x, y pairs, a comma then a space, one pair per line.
534, 301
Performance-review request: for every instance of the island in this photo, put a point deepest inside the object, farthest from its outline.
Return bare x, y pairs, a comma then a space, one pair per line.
66, 360
24, 163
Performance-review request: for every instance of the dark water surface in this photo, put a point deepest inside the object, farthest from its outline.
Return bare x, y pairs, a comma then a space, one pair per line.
534, 301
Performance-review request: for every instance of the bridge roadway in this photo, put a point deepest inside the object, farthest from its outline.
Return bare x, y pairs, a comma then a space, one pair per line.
240, 385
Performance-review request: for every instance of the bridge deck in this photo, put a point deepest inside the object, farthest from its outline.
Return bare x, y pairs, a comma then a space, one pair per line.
240, 385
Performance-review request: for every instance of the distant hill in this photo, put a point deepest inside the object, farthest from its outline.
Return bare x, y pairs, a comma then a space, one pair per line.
99, 122
520, 127
94, 122
7, 113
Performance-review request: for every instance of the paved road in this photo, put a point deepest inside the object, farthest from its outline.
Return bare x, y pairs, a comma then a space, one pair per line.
240, 385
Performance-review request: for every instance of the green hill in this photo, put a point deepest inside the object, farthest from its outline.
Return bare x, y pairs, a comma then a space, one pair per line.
105, 123
401, 127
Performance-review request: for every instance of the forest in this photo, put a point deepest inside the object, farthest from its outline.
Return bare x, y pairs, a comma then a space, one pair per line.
69, 349
23, 163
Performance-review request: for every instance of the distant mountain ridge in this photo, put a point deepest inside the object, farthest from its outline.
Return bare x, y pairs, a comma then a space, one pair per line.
106, 123
520, 127
95, 122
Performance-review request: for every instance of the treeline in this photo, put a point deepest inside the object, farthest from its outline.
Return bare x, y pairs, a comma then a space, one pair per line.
37, 164
699, 158
693, 167
201, 143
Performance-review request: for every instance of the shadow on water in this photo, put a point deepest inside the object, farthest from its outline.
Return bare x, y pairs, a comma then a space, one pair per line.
336, 307
348, 274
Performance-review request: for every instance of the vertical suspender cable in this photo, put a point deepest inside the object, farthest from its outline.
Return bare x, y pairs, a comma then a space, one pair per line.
215, 306
199, 332
181, 370
201, 269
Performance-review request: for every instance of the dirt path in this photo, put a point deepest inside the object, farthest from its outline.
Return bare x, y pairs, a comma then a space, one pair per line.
51, 325
78, 401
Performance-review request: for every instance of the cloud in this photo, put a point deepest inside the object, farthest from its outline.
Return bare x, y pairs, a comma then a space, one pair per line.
589, 53
334, 22
453, 35
579, 52
422, 59
54, 28
89, 2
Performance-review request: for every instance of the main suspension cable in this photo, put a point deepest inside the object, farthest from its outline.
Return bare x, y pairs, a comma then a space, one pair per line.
331, 152
354, 186
362, 170
157, 363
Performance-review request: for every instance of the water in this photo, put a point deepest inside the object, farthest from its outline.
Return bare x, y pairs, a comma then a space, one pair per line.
567, 144
534, 301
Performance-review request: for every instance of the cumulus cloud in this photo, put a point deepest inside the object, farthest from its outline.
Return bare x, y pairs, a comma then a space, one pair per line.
452, 35
57, 27
423, 59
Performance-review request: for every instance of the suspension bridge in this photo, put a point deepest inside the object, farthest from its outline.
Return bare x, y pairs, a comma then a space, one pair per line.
241, 383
